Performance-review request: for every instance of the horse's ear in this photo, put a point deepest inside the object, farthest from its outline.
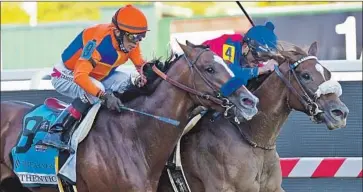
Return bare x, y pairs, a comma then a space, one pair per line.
188, 43
313, 50
186, 49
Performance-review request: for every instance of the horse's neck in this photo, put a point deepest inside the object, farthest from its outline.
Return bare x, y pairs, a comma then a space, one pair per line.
264, 128
167, 101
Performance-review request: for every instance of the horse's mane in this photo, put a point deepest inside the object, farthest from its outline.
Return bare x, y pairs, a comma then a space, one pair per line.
290, 52
153, 80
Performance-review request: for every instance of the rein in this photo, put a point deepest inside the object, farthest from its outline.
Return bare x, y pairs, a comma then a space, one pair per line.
224, 102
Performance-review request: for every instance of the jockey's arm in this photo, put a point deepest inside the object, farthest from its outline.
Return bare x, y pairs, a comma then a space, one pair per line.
243, 73
82, 70
256, 71
136, 58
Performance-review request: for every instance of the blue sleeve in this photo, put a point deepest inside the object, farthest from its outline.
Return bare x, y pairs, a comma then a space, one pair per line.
249, 73
244, 73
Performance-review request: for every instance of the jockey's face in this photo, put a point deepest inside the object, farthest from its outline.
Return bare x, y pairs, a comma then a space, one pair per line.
251, 60
129, 45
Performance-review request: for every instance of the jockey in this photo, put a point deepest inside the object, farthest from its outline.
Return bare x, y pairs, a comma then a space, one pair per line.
245, 54
87, 73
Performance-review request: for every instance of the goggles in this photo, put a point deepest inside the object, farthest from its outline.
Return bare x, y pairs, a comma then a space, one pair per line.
258, 51
134, 38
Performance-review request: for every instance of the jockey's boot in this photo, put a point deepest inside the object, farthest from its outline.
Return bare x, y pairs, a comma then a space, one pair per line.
59, 133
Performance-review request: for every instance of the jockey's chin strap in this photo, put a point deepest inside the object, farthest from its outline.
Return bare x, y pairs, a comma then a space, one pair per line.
309, 102
218, 99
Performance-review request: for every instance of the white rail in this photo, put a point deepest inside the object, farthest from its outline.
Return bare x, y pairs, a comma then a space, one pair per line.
29, 79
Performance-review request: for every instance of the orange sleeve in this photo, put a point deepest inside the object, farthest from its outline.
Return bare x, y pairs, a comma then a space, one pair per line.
82, 70
136, 57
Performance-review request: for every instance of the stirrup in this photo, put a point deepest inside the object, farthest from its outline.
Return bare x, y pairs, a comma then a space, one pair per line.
61, 147
56, 129
49, 140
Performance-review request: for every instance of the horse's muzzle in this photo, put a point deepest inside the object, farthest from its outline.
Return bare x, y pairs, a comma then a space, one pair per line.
248, 103
334, 116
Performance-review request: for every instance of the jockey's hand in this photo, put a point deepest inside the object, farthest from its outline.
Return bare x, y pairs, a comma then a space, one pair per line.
141, 80
111, 101
268, 67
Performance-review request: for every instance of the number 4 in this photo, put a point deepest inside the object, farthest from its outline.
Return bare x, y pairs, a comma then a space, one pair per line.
229, 53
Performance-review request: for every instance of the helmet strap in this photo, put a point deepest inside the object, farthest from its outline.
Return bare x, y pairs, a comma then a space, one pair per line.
120, 37
120, 40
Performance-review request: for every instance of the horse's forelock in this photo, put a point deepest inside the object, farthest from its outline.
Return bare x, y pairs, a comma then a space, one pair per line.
290, 51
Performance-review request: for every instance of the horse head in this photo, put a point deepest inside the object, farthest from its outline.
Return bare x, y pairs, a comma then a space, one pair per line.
205, 73
312, 90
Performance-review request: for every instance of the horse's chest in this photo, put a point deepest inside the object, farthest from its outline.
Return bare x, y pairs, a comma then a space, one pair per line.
270, 174
115, 165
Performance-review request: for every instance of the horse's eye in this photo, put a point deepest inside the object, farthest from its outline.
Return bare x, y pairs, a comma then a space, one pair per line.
306, 76
210, 70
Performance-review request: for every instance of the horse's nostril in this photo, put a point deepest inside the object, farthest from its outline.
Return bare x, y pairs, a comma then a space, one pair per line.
338, 113
247, 102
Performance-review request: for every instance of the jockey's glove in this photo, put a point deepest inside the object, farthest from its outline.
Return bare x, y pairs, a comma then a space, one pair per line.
111, 101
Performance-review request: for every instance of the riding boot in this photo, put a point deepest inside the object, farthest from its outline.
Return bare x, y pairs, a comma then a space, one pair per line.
59, 134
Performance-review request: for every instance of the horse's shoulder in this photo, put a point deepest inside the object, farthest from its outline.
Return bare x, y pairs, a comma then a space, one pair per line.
13, 104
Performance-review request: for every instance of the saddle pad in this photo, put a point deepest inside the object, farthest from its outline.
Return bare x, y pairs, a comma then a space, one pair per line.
33, 163
68, 170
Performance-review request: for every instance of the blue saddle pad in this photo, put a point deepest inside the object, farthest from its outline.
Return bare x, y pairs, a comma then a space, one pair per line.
34, 163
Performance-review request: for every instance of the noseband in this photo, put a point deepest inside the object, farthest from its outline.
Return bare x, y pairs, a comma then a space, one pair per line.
218, 99
308, 98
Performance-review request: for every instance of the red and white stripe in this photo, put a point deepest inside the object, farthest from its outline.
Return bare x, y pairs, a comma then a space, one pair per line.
315, 167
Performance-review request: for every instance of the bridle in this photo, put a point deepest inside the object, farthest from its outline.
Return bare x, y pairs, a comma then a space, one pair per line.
308, 98
218, 99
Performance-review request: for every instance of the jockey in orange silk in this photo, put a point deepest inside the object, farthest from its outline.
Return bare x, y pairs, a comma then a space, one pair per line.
86, 72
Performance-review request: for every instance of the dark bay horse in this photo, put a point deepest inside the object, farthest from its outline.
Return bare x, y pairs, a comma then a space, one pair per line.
221, 156
127, 152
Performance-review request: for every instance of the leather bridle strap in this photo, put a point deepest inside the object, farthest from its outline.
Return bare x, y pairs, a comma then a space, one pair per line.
305, 99
288, 84
222, 102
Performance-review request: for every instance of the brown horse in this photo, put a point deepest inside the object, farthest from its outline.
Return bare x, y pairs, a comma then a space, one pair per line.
127, 152
222, 156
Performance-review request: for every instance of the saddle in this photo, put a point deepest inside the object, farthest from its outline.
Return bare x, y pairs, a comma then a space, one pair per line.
55, 104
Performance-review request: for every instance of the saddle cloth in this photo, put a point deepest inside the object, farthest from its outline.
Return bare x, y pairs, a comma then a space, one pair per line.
35, 164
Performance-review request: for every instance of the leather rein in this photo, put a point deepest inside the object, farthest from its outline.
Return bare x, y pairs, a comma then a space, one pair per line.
218, 99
